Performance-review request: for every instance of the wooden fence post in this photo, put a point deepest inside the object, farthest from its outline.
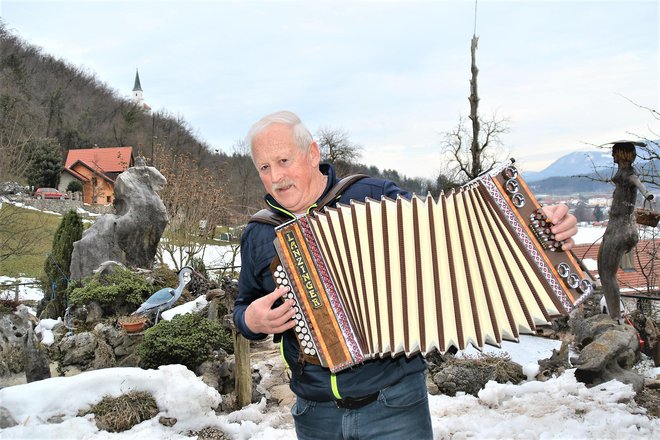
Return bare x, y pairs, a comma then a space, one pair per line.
243, 378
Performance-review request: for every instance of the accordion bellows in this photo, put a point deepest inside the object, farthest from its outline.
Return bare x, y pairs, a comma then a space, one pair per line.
391, 277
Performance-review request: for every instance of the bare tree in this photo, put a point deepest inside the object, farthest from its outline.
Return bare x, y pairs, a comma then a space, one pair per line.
14, 152
474, 150
244, 180
337, 148
18, 238
195, 199
459, 143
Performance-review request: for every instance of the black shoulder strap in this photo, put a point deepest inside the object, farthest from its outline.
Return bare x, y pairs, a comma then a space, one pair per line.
275, 218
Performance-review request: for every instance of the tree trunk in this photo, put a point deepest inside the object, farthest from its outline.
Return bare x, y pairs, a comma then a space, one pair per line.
475, 168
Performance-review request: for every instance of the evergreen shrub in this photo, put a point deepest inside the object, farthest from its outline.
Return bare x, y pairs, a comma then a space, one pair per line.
187, 340
112, 291
74, 186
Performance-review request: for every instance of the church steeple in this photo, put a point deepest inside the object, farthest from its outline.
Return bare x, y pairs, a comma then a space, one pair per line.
137, 89
138, 99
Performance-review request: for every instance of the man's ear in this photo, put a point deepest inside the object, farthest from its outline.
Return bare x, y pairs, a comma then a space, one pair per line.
314, 154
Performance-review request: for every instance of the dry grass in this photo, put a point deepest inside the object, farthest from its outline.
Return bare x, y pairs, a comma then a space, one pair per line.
117, 414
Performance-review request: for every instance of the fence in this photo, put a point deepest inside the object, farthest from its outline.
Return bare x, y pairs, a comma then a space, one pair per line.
12, 291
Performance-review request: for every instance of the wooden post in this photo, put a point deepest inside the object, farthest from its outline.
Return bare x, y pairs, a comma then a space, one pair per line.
243, 379
17, 293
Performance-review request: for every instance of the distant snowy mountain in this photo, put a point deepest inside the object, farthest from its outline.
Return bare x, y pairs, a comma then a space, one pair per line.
575, 164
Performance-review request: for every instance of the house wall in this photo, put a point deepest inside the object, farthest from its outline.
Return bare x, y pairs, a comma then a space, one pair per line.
65, 179
103, 193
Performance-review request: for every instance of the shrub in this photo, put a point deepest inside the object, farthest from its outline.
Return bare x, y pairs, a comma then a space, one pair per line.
74, 186
186, 339
58, 261
163, 276
112, 291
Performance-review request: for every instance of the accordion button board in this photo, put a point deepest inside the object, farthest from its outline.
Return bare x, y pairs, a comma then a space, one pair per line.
381, 278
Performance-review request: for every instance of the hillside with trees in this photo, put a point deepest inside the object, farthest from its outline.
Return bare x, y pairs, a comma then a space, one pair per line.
48, 106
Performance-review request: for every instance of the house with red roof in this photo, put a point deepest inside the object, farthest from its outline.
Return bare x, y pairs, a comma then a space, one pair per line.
639, 273
97, 169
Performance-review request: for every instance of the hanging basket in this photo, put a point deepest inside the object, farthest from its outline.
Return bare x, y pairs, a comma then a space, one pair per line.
647, 217
133, 323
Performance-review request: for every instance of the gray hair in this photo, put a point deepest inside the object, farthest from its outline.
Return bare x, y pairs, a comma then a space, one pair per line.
301, 135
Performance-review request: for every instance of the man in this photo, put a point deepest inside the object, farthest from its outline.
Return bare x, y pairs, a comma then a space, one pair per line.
384, 398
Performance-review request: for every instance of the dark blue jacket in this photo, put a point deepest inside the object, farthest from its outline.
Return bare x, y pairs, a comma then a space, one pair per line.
313, 382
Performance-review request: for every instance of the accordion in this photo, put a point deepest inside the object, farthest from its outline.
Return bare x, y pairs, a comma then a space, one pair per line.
380, 278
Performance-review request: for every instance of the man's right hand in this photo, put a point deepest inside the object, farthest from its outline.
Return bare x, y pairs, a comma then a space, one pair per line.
260, 317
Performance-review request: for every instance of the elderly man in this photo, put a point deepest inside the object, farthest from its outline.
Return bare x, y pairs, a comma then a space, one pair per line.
383, 398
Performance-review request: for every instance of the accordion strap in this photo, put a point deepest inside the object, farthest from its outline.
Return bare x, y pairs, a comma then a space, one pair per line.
275, 218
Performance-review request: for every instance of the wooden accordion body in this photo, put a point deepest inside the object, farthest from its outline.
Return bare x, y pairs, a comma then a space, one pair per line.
390, 277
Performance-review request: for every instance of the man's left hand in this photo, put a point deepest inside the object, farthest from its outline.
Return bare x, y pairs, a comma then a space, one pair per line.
565, 224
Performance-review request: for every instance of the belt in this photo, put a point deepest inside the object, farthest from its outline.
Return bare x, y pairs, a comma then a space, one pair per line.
357, 402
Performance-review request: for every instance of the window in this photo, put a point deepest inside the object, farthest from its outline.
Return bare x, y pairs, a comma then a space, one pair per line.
108, 199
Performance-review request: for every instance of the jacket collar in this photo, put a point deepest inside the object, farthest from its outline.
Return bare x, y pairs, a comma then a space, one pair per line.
326, 169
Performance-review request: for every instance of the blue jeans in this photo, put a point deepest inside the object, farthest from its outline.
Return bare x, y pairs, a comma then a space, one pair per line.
401, 412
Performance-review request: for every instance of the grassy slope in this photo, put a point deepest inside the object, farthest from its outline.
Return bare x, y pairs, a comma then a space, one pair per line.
31, 265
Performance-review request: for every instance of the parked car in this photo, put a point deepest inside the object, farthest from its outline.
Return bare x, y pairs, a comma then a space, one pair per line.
49, 193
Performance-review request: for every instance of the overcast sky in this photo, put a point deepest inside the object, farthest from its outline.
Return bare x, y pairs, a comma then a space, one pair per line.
394, 75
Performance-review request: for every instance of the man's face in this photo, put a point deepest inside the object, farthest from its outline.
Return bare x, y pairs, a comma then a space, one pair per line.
285, 170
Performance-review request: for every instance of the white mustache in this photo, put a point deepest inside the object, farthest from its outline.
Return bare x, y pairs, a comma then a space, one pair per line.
280, 185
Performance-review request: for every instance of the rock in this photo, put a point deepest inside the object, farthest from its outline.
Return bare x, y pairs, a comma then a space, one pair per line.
78, 349
14, 331
167, 421
14, 188
130, 236
94, 313
649, 333
104, 357
6, 419
37, 364
107, 267
555, 365
215, 293
470, 375
608, 352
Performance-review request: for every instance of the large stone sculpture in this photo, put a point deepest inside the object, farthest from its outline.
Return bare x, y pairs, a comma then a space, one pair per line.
131, 235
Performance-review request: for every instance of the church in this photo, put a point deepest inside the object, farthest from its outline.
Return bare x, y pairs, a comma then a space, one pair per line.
138, 97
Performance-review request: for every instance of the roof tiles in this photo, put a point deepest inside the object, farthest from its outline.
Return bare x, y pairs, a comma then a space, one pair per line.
106, 160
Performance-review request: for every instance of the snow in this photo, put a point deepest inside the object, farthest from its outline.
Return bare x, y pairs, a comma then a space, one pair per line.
588, 234
558, 408
191, 306
29, 289
45, 330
